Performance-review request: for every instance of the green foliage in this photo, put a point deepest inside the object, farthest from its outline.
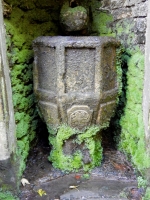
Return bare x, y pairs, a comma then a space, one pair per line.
7, 195
73, 162
86, 176
147, 194
142, 183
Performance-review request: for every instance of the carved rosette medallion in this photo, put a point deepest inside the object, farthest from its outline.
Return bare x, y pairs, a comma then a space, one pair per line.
79, 116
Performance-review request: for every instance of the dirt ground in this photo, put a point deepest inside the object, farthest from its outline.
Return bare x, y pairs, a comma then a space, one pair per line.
115, 178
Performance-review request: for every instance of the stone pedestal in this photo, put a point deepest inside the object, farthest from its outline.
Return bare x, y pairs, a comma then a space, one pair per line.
75, 83
75, 79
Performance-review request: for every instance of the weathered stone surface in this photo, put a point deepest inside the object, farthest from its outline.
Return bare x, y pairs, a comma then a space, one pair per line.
121, 13
140, 25
133, 2
113, 4
141, 38
73, 19
140, 10
75, 79
7, 123
146, 90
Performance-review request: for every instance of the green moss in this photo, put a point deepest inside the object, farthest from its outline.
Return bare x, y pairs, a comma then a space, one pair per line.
22, 153
93, 143
67, 10
71, 162
100, 24
22, 26
7, 196
100, 20
147, 194
61, 161
132, 134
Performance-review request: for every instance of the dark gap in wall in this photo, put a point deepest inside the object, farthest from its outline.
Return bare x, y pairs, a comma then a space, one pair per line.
73, 3
42, 134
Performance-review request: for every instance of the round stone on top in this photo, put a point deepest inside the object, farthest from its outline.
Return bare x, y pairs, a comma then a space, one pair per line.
73, 17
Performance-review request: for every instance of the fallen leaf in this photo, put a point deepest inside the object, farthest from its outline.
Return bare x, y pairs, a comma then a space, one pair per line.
118, 166
24, 181
41, 192
77, 177
74, 187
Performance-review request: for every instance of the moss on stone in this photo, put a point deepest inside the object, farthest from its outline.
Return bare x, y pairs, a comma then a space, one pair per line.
147, 194
92, 142
100, 24
74, 161
66, 9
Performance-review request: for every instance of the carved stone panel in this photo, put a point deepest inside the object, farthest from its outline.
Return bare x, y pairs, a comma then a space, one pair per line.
109, 75
80, 69
79, 116
49, 112
106, 112
47, 70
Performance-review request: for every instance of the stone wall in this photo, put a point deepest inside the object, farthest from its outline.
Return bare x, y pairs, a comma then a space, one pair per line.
146, 91
129, 21
7, 123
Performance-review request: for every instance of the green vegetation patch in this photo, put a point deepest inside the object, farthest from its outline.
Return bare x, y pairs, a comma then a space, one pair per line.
80, 141
147, 194
23, 25
7, 196
132, 140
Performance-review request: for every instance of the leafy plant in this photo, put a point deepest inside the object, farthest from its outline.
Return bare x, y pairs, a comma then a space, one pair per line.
141, 182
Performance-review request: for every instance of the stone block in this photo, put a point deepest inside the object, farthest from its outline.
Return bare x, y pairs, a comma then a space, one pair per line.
140, 10
129, 3
122, 13
140, 25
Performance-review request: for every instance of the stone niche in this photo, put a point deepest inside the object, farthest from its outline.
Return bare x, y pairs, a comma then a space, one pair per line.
75, 83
